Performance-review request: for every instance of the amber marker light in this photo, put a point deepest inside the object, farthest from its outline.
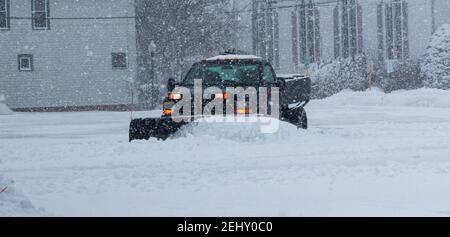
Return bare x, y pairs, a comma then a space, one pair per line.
167, 112
243, 111
223, 96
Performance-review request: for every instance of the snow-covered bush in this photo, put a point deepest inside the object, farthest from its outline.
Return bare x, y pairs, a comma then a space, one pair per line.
436, 62
337, 75
405, 75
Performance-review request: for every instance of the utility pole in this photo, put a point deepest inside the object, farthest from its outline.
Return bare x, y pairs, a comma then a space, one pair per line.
255, 30
433, 16
294, 30
236, 20
269, 30
276, 41
152, 51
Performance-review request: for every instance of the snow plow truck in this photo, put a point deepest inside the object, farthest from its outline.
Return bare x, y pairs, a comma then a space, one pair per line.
228, 71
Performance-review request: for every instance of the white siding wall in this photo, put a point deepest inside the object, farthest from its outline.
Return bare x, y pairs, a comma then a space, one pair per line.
72, 60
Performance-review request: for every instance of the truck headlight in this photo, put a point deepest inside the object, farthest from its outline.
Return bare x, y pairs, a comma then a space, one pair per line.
174, 96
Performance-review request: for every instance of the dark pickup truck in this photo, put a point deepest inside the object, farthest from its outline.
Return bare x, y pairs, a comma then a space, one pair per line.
223, 72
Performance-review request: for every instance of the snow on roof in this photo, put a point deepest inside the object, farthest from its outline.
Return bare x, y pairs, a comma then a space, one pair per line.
290, 75
233, 57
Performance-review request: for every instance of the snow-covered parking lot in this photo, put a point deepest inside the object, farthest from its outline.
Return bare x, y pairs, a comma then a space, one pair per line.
365, 154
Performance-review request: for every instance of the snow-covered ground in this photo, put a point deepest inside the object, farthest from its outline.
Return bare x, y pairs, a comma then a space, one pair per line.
14, 203
366, 154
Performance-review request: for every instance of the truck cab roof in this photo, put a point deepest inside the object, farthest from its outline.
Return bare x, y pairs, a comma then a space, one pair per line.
232, 57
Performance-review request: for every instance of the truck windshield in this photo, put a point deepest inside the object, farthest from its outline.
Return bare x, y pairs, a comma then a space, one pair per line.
223, 73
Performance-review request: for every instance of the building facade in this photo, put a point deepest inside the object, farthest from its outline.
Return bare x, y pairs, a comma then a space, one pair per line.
383, 30
84, 53
59, 53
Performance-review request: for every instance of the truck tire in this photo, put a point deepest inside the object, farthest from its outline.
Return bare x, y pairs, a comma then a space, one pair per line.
303, 120
297, 117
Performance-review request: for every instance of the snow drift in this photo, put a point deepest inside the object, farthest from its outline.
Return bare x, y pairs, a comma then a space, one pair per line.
13, 202
424, 97
4, 110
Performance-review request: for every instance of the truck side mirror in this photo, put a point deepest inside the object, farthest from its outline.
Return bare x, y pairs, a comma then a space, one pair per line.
171, 84
281, 83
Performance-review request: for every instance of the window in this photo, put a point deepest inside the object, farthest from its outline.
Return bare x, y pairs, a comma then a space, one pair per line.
348, 40
4, 14
40, 14
268, 75
215, 73
119, 60
393, 42
266, 32
306, 39
25, 62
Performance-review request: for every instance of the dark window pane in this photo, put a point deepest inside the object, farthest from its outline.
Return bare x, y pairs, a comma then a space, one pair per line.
24, 63
40, 20
216, 73
3, 23
39, 5
3, 5
268, 74
119, 60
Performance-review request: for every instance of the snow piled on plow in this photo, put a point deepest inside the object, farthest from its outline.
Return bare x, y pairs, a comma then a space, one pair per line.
230, 129
425, 97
